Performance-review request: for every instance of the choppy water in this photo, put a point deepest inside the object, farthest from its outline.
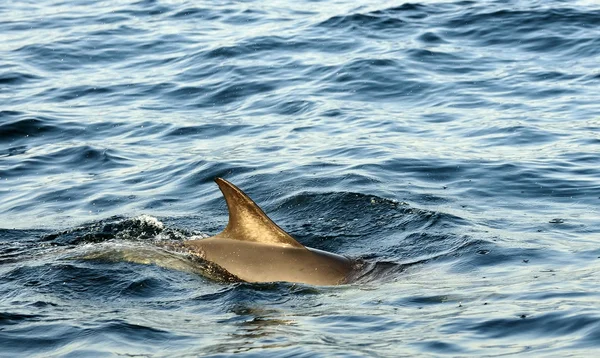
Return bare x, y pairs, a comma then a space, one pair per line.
453, 145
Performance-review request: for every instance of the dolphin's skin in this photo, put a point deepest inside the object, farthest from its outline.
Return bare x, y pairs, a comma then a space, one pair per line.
254, 249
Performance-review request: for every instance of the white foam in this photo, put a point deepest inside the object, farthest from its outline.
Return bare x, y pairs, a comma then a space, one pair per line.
150, 221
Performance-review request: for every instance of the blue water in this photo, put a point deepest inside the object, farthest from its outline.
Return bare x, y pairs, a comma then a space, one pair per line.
452, 145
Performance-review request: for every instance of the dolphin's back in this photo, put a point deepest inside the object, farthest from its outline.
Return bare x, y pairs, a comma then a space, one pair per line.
257, 262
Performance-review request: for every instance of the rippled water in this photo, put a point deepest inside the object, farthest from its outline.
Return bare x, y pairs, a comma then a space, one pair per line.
452, 145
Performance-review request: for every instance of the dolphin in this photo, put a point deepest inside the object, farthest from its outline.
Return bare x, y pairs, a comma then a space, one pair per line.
254, 249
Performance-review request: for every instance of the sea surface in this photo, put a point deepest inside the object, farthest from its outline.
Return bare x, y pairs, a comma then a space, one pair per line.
451, 146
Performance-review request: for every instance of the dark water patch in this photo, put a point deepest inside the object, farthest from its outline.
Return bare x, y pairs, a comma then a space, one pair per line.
50, 58
385, 23
551, 76
430, 300
17, 253
204, 131
145, 288
478, 254
78, 92
440, 117
16, 78
105, 201
540, 94
244, 292
204, 173
112, 18
370, 271
121, 31
586, 48
409, 9
546, 30
572, 159
218, 95
213, 296
75, 53
135, 332
374, 79
42, 304
430, 56
350, 151
262, 46
295, 107
141, 133
40, 337
56, 21
372, 21
546, 182
146, 9
523, 135
245, 17
590, 339
542, 325
238, 91
9, 319
14, 235
338, 222
429, 170
269, 347
88, 159
431, 38
542, 296
205, 72
66, 280
556, 17
20, 126
120, 333
74, 278
205, 14
16, 245
160, 52
153, 62
593, 77
13, 151
115, 228
442, 348
285, 108
349, 324
550, 179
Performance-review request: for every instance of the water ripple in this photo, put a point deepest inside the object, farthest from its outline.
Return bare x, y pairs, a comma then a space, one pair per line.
449, 147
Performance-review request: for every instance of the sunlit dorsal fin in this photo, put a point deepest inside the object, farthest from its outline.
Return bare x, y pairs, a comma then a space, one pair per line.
247, 221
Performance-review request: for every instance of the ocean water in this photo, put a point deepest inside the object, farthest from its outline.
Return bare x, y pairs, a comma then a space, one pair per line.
454, 146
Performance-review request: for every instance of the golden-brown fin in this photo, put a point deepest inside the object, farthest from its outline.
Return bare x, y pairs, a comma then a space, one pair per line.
247, 221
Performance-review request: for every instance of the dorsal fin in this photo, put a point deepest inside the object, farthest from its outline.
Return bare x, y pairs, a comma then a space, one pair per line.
247, 221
